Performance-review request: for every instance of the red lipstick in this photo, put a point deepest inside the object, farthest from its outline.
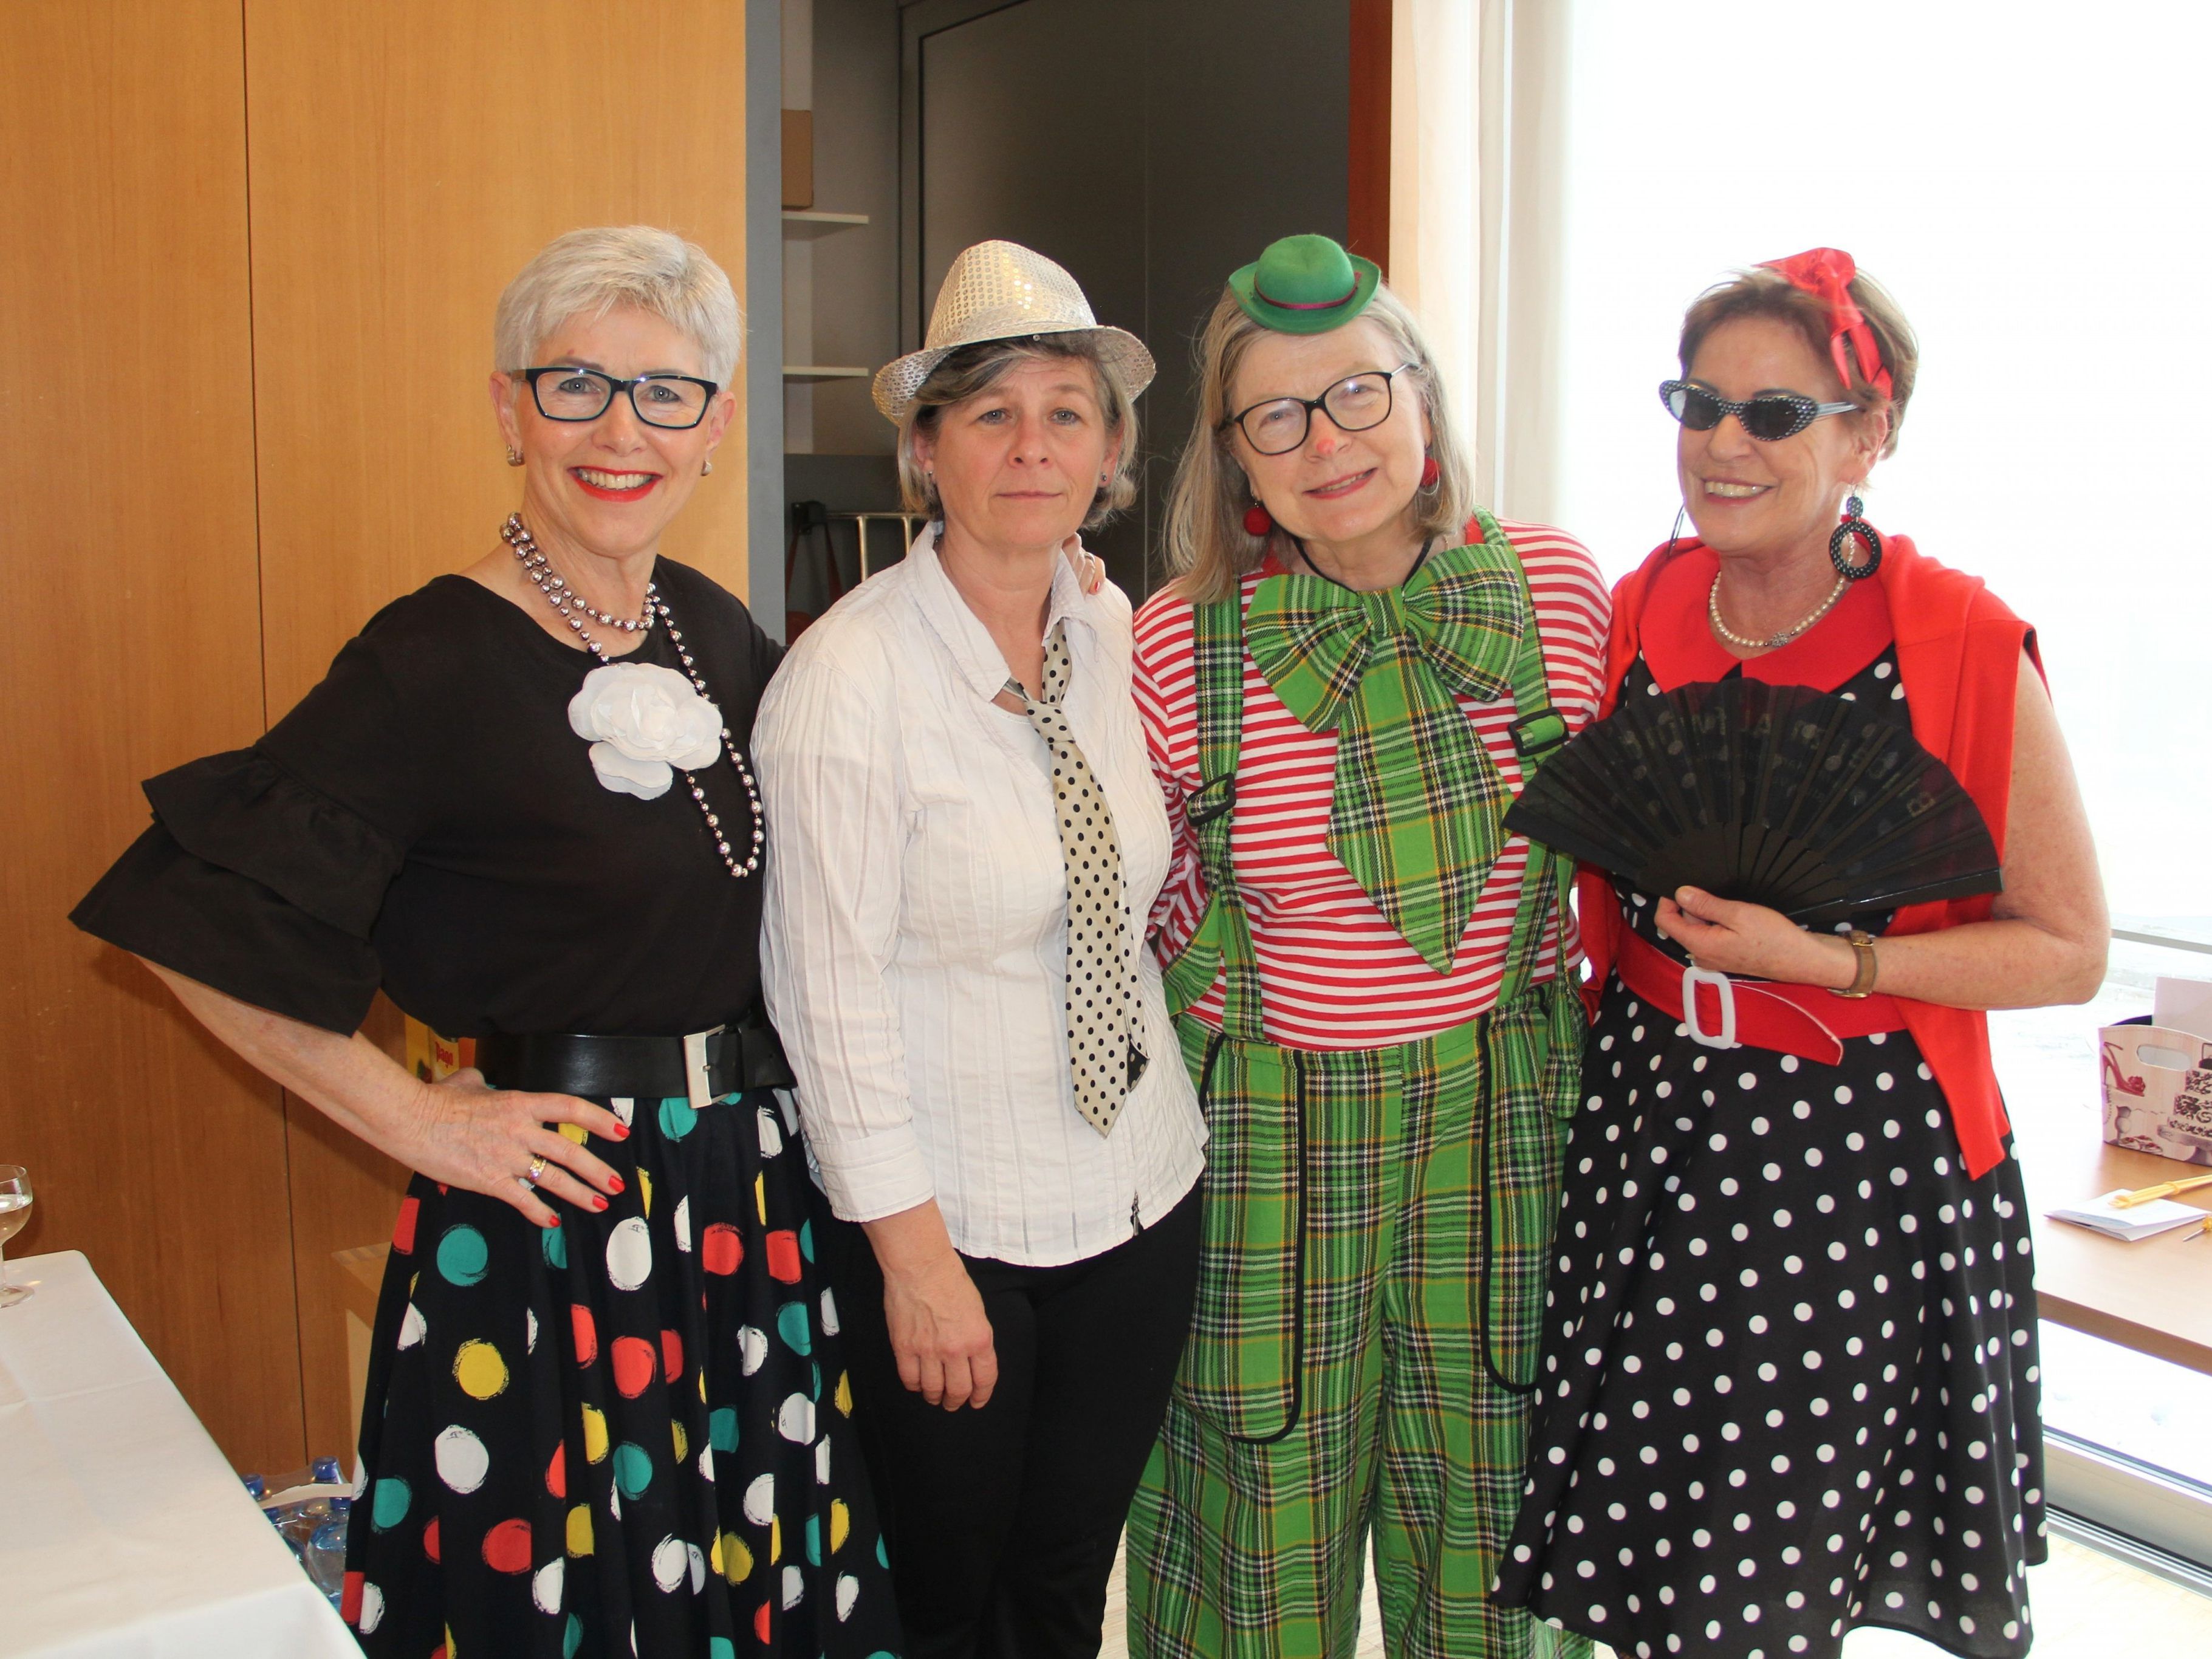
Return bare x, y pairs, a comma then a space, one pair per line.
637, 492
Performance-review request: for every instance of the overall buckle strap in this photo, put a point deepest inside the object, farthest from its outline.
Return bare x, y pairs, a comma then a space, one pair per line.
1214, 798
1221, 943
1537, 729
1538, 733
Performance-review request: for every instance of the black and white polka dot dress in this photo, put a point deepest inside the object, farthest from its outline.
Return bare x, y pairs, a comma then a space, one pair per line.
1790, 1371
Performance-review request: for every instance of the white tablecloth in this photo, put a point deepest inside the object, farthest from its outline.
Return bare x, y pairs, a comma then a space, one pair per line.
123, 1531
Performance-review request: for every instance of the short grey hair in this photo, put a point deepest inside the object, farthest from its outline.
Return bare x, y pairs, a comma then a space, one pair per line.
974, 369
587, 273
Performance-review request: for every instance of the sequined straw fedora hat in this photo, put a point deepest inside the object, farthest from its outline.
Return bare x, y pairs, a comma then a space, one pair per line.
1003, 291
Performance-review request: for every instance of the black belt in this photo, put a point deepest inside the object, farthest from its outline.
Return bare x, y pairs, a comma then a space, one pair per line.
741, 1055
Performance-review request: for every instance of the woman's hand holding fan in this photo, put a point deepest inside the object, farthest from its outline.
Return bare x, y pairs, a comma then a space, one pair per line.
1754, 812
1753, 941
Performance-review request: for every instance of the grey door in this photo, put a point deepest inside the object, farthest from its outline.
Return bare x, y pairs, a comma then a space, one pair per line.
1149, 146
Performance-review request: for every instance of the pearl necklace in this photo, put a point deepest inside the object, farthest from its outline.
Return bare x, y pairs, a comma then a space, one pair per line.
517, 536
535, 566
1772, 642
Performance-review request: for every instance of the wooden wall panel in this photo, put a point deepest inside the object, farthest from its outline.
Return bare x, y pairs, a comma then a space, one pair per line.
344, 1195
406, 158
126, 408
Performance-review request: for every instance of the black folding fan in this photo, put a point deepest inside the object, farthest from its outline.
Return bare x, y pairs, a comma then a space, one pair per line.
1810, 803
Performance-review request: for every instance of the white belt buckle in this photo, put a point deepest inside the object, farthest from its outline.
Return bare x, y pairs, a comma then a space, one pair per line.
1692, 978
695, 1078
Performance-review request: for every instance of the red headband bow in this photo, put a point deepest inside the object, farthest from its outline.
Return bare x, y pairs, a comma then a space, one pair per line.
1826, 273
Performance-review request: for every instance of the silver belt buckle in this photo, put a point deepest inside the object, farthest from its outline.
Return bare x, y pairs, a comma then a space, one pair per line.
1692, 978
695, 1075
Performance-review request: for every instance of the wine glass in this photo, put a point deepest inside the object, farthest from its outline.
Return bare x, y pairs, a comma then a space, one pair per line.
15, 1210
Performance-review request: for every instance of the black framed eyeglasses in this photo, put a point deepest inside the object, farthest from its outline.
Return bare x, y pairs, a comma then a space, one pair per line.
1769, 417
1355, 402
675, 402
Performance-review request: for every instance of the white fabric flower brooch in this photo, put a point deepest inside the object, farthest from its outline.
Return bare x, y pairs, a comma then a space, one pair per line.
643, 721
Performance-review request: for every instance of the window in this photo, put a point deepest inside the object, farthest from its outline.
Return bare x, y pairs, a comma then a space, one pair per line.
2028, 180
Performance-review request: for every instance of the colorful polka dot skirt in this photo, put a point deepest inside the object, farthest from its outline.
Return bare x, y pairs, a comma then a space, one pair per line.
628, 1435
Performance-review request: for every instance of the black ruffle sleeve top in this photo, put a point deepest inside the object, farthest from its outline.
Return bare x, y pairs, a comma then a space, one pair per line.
427, 822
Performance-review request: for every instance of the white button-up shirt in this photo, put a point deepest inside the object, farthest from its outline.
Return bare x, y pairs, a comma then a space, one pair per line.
914, 945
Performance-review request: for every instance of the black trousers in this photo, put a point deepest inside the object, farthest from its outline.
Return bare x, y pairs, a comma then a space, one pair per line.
1002, 1524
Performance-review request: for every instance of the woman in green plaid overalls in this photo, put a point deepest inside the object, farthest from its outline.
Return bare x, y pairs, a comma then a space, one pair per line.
1343, 691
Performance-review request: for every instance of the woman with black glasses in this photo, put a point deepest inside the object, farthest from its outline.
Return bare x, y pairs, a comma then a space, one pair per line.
1790, 1365
607, 1413
1354, 673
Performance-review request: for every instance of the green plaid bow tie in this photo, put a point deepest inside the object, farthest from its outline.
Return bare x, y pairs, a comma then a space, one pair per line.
1417, 800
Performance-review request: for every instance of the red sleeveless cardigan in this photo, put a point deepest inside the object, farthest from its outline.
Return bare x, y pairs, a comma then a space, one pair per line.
1958, 652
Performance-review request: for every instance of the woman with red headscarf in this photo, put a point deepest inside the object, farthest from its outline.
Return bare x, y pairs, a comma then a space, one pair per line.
1788, 1382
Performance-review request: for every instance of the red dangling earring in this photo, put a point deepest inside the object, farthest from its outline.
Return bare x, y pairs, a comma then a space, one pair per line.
1431, 470
1258, 522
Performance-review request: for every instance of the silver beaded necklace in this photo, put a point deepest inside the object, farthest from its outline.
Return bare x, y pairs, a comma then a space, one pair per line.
517, 536
558, 593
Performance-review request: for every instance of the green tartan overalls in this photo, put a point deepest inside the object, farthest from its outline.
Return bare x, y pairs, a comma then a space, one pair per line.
1377, 1228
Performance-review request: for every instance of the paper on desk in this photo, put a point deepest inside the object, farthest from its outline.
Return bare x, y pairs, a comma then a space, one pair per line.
2130, 1225
2183, 1005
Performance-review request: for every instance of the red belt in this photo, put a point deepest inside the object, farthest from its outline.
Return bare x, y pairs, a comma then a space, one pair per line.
1804, 1020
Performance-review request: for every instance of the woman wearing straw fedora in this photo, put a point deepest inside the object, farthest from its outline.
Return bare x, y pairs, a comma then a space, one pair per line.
969, 840
1343, 692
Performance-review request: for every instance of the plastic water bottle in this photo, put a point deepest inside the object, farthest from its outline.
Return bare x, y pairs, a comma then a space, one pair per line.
325, 1555
296, 1522
325, 1472
256, 1487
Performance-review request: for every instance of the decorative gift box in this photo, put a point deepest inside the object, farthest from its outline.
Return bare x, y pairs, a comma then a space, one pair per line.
2158, 1089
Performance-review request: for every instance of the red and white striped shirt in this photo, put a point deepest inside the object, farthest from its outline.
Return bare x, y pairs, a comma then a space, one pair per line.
1333, 972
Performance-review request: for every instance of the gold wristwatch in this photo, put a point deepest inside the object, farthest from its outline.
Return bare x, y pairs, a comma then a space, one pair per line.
1862, 983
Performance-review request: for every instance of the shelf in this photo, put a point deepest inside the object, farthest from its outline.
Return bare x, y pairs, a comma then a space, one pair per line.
813, 374
806, 224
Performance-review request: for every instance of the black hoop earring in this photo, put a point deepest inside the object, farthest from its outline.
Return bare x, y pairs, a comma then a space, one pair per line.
1840, 543
1675, 534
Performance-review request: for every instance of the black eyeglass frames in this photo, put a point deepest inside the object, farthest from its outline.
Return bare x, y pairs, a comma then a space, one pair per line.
1769, 417
1355, 402
675, 402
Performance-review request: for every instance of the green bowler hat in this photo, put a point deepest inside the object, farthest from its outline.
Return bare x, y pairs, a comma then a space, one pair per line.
1306, 285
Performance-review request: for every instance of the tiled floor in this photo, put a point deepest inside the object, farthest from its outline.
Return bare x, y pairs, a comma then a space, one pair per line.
1117, 1644
2088, 1606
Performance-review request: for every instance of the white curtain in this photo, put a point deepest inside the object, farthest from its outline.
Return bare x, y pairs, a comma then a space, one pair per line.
1478, 105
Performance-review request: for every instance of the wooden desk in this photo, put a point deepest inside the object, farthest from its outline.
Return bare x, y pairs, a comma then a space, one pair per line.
2154, 1297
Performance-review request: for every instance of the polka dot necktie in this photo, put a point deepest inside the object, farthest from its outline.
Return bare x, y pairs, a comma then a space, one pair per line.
1103, 1045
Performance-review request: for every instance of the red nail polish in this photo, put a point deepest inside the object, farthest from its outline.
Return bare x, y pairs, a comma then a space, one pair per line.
621, 1131
614, 1183
599, 1203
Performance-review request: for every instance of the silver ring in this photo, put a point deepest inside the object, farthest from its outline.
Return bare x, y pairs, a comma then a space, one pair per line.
537, 1171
